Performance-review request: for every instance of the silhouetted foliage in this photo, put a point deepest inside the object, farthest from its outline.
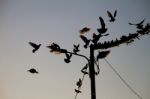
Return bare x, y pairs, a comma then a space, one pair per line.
76, 48
68, 57
102, 54
86, 41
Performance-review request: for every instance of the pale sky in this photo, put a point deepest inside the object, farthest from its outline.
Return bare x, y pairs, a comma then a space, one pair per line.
47, 21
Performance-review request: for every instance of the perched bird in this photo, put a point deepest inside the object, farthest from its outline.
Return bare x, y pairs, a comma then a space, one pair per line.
68, 57
103, 29
79, 83
138, 25
84, 30
86, 41
77, 91
76, 48
112, 17
32, 70
35, 46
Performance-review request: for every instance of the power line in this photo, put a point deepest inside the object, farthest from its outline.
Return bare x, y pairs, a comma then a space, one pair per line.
123, 80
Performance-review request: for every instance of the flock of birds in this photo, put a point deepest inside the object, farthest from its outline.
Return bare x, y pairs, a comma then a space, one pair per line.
35, 48
102, 31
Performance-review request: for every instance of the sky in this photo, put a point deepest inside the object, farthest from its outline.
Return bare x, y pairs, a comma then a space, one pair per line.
59, 21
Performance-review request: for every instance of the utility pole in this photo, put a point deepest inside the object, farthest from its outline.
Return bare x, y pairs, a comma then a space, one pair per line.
92, 72
94, 45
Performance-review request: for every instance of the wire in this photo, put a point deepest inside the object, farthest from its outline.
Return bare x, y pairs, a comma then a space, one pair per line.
132, 90
81, 85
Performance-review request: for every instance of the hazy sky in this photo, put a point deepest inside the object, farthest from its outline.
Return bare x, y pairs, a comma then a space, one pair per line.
47, 21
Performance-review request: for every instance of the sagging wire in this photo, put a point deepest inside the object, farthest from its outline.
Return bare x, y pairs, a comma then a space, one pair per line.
80, 81
122, 79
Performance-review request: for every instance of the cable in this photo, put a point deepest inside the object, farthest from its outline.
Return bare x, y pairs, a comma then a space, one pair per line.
81, 85
132, 90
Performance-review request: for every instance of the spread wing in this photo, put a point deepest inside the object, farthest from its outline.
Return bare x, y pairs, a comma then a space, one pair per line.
33, 44
102, 22
115, 13
109, 14
142, 22
84, 38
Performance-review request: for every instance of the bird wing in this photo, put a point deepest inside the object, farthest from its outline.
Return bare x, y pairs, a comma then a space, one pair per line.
33, 44
84, 38
115, 13
142, 22
102, 22
109, 14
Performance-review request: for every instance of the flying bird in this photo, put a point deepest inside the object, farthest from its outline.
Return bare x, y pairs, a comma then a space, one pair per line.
33, 71
76, 48
86, 41
112, 17
68, 57
35, 46
138, 25
103, 29
84, 30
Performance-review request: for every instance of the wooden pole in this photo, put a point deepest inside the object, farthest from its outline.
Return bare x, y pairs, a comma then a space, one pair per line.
92, 72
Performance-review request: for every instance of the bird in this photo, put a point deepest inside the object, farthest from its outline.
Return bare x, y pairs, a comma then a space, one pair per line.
112, 17
138, 25
86, 41
68, 57
77, 91
84, 30
96, 38
103, 29
35, 46
76, 48
33, 71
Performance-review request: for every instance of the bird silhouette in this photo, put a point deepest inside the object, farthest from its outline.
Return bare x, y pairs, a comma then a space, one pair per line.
33, 71
35, 46
77, 91
79, 83
112, 17
138, 25
103, 29
86, 41
76, 48
84, 30
68, 57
